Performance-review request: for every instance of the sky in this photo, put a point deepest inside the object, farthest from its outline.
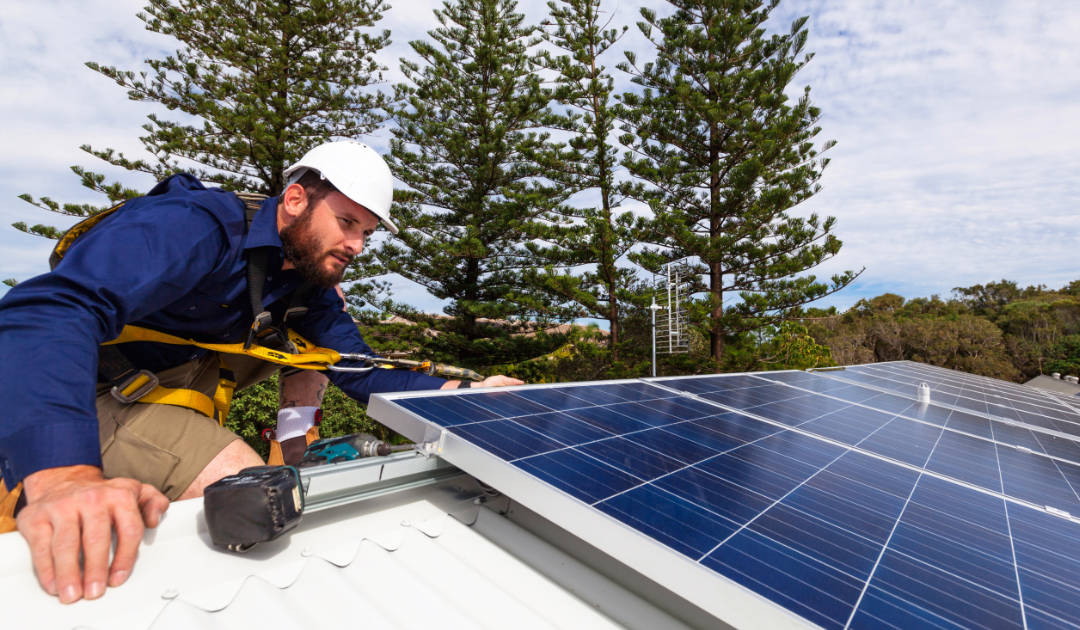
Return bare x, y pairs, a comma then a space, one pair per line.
957, 126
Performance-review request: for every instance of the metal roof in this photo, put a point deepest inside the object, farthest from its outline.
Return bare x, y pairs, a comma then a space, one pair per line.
439, 554
1056, 385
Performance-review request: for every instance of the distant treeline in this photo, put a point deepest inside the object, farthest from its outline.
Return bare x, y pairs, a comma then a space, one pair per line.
998, 329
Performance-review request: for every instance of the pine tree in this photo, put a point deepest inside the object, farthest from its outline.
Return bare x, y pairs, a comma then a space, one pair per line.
468, 147
723, 155
596, 237
259, 82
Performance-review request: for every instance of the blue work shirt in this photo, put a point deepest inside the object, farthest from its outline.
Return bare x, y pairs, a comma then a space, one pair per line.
171, 261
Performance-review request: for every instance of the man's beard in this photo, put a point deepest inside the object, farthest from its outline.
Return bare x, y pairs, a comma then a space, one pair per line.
301, 248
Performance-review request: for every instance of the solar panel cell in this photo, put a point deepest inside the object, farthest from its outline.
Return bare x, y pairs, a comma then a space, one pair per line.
579, 475
890, 402
610, 421
903, 440
753, 396
563, 428
1036, 479
955, 602
672, 445
734, 502
1059, 447
559, 399
966, 458
507, 439
447, 411
505, 404
1048, 560
850, 426
968, 423
687, 528
715, 434
838, 548
631, 458
815, 590
761, 470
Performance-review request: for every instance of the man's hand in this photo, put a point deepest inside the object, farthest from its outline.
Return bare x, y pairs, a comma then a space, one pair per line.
492, 381
74, 508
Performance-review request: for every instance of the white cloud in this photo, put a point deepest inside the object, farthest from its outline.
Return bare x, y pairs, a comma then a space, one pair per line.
956, 124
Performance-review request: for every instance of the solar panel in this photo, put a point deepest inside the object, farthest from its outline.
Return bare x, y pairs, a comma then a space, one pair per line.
758, 497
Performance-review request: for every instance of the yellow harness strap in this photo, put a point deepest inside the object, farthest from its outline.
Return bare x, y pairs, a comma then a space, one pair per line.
310, 357
7, 507
277, 457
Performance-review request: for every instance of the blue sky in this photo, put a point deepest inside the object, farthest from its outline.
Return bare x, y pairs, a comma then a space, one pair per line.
957, 128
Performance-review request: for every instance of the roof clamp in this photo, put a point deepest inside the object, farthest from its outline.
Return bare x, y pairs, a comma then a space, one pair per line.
431, 448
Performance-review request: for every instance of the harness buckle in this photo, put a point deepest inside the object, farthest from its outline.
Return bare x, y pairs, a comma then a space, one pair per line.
262, 320
295, 312
135, 387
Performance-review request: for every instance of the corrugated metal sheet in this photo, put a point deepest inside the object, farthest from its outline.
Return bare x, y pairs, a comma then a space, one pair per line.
407, 560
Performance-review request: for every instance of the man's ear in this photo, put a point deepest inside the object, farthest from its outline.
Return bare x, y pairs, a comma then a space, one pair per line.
294, 201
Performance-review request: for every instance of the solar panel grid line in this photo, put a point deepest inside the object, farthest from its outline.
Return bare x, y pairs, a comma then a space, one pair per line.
937, 469
975, 387
1012, 548
1069, 403
938, 403
465, 399
894, 385
1057, 467
773, 504
653, 480
856, 448
959, 389
1028, 393
1053, 585
1040, 423
881, 554
953, 585
869, 405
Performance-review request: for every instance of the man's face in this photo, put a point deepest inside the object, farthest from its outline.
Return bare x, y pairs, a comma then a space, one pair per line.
322, 240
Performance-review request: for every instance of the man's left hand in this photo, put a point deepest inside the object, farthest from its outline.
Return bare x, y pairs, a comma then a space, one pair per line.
492, 381
498, 381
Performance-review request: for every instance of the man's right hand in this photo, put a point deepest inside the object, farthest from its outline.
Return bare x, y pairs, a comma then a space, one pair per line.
74, 508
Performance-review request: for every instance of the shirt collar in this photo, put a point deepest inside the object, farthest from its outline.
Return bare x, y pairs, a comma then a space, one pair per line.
263, 231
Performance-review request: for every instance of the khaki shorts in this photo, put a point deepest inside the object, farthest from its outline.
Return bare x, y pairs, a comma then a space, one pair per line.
164, 445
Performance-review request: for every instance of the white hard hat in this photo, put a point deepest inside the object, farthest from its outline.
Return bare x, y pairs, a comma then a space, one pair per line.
356, 170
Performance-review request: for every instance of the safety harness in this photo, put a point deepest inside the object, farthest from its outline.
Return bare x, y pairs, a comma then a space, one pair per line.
266, 340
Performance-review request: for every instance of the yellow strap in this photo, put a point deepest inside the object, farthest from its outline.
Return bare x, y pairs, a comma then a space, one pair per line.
216, 407
276, 458
310, 357
7, 507
188, 398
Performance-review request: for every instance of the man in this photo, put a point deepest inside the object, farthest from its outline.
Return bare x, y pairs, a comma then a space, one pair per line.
91, 463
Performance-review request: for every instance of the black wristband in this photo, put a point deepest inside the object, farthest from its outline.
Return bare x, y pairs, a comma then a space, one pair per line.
464, 384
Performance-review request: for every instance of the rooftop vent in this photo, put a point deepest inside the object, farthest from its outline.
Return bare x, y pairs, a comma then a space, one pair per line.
1056, 375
